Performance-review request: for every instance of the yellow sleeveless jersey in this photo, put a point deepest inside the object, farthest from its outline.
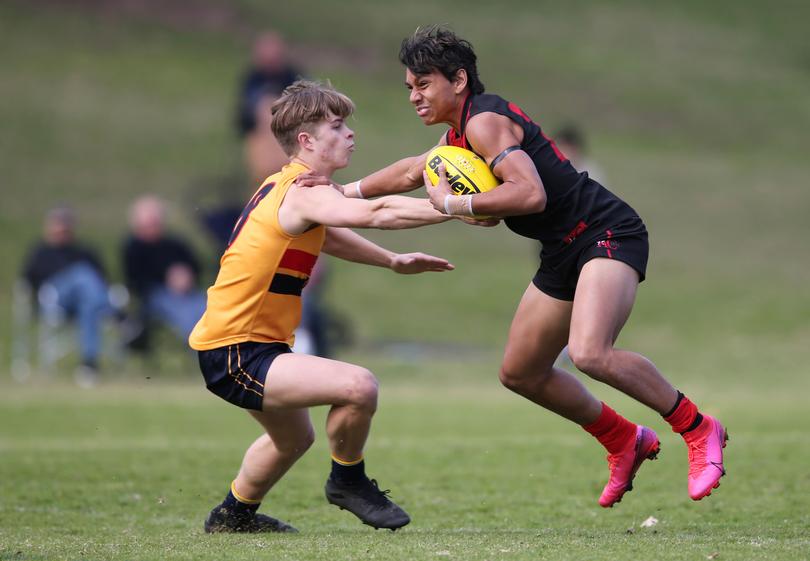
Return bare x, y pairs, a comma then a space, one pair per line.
257, 294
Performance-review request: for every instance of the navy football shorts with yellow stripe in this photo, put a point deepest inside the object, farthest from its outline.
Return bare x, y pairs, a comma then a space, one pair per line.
236, 373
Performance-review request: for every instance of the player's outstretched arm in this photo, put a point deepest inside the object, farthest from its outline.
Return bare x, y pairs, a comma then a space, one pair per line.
400, 177
348, 245
303, 207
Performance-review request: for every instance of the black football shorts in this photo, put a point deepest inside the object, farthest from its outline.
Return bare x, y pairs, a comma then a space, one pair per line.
559, 271
237, 372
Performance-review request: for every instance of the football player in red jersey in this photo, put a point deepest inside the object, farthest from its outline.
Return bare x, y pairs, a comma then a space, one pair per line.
592, 244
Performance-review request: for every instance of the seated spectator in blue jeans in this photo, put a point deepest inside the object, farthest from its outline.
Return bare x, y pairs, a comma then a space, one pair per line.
161, 270
69, 281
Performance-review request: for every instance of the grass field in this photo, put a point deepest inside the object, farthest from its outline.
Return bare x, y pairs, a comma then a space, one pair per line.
698, 113
130, 471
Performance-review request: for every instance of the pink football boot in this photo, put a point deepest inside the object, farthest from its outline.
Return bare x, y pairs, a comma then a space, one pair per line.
625, 464
705, 445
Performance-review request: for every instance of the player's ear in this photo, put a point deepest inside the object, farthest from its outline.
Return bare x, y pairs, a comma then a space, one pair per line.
305, 140
460, 80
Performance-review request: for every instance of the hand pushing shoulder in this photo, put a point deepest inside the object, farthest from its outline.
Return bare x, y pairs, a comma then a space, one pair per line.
293, 215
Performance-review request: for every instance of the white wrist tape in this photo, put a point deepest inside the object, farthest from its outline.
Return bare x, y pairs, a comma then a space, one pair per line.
359, 192
455, 205
447, 204
468, 208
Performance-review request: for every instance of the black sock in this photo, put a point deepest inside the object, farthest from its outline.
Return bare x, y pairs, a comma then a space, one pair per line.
695, 424
349, 474
237, 507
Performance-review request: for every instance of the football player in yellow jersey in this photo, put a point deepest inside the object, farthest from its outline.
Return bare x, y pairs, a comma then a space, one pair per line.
253, 308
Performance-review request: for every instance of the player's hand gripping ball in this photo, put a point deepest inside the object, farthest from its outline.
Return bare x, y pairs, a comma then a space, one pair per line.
467, 173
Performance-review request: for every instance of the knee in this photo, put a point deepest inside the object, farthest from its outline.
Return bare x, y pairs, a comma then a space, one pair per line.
94, 303
362, 390
514, 378
92, 287
590, 359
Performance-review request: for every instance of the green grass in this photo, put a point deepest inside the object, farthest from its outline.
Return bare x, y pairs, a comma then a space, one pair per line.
697, 112
129, 472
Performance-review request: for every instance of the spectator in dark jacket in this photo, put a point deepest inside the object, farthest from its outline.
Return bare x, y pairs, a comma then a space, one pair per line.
161, 270
269, 73
68, 280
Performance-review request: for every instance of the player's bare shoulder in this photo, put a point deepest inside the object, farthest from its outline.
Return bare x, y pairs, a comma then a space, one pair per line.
295, 211
489, 131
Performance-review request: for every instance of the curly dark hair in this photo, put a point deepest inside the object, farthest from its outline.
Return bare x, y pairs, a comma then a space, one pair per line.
437, 48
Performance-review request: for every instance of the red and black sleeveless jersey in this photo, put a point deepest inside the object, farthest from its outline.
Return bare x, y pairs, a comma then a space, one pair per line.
576, 204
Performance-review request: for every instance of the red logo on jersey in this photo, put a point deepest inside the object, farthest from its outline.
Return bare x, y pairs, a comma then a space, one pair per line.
572, 235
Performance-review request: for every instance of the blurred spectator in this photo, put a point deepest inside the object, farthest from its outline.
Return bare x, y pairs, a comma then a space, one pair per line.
269, 73
217, 204
161, 270
571, 141
69, 282
261, 84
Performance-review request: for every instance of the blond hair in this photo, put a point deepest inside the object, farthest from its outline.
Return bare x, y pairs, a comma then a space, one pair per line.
303, 105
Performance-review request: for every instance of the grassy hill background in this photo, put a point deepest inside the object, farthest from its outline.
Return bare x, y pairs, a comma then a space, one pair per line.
698, 113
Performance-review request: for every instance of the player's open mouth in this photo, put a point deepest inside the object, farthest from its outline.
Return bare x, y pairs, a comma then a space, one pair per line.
422, 111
